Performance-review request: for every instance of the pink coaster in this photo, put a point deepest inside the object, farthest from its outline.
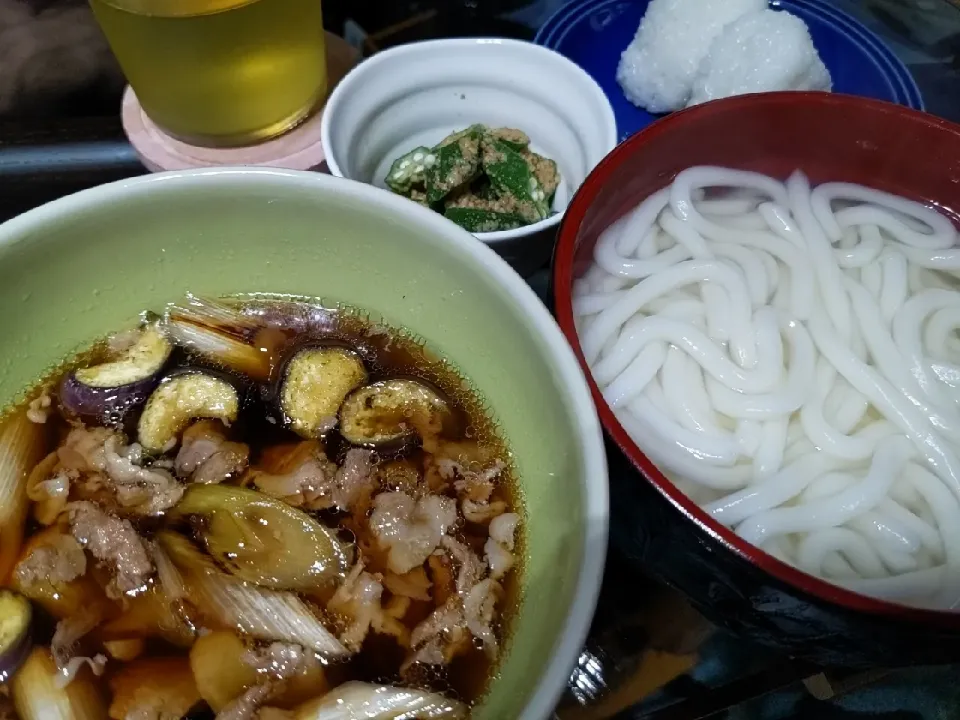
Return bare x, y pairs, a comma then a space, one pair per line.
299, 149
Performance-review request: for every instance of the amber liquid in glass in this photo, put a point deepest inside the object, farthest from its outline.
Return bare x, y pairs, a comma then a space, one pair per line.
220, 72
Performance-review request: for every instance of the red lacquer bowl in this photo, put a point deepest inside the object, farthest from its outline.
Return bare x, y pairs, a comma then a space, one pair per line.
829, 137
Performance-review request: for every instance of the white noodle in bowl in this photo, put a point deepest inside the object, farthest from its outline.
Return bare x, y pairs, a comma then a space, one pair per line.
789, 356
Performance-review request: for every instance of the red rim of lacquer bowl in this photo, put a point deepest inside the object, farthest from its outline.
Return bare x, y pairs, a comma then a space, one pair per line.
563, 276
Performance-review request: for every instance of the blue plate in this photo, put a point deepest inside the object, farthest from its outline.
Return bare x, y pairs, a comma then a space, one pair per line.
593, 33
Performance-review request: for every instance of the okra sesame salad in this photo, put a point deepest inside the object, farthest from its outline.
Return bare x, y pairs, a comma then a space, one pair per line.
483, 179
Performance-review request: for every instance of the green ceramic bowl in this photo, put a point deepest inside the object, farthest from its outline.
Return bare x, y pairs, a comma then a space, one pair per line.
80, 267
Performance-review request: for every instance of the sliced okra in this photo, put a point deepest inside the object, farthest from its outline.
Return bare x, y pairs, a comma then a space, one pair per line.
545, 171
408, 171
516, 139
510, 174
458, 164
477, 129
419, 197
481, 189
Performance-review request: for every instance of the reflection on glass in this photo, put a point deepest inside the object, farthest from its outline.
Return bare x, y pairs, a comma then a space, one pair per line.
220, 72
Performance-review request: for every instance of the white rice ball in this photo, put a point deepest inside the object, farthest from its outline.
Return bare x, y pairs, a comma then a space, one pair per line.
657, 69
760, 52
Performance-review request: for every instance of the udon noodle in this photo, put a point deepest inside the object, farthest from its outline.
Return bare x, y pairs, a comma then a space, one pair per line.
789, 356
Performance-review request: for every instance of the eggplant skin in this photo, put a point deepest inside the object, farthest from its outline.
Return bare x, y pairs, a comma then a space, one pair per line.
108, 393
181, 397
16, 641
388, 413
109, 407
314, 383
144, 359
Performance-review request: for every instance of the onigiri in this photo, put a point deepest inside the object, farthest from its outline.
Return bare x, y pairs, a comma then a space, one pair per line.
760, 52
658, 68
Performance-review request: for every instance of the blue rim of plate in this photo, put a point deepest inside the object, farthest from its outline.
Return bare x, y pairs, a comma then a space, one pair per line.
553, 32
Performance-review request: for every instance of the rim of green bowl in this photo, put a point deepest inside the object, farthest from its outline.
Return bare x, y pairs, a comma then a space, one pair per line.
594, 478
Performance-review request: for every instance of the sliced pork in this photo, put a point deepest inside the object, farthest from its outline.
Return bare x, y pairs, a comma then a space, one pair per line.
410, 529
357, 601
114, 542
207, 456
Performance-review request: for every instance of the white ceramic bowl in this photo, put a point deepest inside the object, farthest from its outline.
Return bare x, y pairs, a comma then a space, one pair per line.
419, 93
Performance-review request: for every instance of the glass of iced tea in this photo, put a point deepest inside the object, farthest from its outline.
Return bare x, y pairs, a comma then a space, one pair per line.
220, 72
